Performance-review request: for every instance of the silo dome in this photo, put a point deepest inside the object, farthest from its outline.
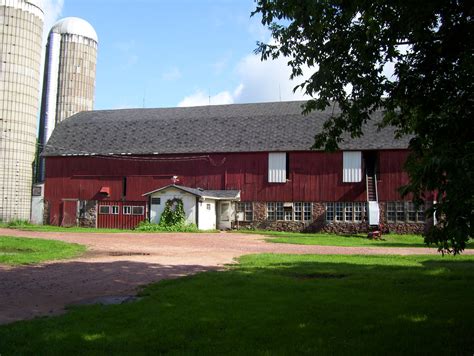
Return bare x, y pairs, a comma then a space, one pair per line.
75, 26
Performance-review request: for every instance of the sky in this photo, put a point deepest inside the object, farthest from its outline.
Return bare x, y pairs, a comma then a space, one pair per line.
164, 53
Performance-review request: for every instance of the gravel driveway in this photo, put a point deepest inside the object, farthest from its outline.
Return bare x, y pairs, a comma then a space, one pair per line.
117, 264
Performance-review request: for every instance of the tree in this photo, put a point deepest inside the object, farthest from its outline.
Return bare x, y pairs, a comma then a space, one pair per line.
346, 45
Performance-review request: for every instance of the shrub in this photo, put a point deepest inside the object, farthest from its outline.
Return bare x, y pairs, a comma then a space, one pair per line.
150, 227
173, 214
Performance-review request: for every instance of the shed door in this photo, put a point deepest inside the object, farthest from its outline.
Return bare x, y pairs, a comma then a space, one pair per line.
224, 215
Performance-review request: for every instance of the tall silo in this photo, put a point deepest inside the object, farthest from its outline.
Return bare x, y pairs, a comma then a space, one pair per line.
69, 79
21, 23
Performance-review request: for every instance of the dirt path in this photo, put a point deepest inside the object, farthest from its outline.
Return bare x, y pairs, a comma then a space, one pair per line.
118, 264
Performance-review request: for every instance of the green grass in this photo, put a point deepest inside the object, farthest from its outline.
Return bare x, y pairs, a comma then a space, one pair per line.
277, 304
322, 239
20, 250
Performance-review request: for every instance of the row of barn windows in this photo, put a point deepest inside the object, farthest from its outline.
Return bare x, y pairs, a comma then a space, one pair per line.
126, 210
279, 166
356, 211
335, 211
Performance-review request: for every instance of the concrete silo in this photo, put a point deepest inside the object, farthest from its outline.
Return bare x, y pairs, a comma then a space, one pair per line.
21, 24
69, 79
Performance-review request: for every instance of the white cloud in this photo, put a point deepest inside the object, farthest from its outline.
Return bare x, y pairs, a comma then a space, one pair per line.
268, 80
259, 81
172, 74
200, 98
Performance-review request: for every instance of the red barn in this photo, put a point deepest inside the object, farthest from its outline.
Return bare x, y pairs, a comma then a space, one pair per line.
246, 164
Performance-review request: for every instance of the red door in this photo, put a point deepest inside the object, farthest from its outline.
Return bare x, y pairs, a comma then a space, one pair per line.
120, 215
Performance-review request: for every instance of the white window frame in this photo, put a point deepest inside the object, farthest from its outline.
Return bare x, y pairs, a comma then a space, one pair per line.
115, 210
127, 210
277, 167
351, 166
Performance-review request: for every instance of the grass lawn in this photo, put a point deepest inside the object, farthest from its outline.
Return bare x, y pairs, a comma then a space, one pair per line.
19, 250
322, 239
277, 304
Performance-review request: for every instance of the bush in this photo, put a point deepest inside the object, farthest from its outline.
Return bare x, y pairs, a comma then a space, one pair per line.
150, 227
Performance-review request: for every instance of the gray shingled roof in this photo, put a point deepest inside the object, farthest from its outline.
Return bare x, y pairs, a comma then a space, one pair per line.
204, 129
214, 194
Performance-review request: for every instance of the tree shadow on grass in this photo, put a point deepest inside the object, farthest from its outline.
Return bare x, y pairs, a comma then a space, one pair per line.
350, 305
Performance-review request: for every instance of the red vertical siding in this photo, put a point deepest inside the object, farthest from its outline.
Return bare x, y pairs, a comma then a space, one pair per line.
314, 176
120, 220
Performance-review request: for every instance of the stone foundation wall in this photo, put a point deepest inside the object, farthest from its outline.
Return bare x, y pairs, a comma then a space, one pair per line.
318, 224
90, 215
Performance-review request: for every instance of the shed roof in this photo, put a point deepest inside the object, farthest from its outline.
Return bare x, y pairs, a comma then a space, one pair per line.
259, 127
202, 193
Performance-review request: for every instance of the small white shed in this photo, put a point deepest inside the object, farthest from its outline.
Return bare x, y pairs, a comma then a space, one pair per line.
208, 209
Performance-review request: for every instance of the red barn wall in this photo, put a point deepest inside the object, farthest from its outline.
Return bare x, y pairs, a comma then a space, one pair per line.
314, 176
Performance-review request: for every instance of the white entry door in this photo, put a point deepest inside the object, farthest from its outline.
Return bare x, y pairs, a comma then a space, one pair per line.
225, 215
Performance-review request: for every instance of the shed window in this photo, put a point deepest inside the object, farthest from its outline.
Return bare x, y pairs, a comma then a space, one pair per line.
115, 209
277, 168
104, 209
156, 201
127, 210
352, 167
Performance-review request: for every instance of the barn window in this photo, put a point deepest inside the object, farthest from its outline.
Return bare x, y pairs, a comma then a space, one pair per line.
404, 212
275, 211
115, 209
358, 211
277, 169
247, 209
208, 206
339, 211
352, 167
156, 201
270, 211
104, 209
138, 210
345, 211
307, 211
127, 210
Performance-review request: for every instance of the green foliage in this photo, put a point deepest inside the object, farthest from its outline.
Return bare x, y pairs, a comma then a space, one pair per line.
275, 305
20, 250
146, 226
18, 223
430, 97
173, 214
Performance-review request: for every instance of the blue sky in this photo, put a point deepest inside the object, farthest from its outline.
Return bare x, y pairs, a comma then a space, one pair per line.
174, 53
